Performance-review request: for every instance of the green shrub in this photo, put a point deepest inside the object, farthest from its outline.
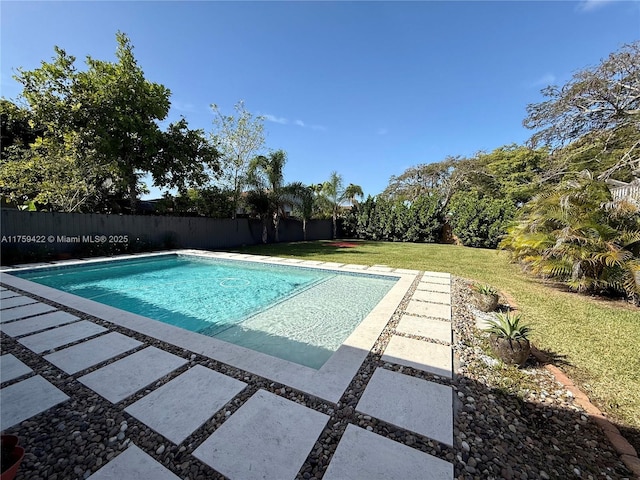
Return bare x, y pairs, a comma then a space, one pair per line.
480, 221
577, 235
378, 218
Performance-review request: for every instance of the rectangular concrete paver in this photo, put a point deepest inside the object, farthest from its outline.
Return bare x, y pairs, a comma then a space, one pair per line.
366, 455
435, 297
269, 437
408, 402
11, 367
125, 377
181, 406
133, 463
427, 309
57, 337
92, 352
434, 287
8, 294
27, 398
406, 271
438, 280
380, 268
444, 275
425, 327
35, 324
25, 311
426, 356
16, 302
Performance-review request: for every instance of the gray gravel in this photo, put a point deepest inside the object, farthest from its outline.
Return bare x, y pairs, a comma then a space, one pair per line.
512, 424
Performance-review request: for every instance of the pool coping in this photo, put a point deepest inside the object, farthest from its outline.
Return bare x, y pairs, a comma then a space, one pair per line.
328, 383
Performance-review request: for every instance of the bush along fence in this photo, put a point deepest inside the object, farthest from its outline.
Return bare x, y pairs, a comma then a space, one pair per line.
37, 236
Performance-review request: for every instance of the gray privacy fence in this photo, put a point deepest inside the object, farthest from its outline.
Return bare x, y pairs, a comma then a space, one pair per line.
39, 235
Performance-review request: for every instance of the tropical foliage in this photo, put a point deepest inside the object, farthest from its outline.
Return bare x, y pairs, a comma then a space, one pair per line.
269, 195
332, 195
577, 235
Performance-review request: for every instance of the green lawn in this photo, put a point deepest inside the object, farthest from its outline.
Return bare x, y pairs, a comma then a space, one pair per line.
596, 342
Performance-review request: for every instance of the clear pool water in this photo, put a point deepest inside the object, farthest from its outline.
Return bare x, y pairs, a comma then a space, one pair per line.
298, 314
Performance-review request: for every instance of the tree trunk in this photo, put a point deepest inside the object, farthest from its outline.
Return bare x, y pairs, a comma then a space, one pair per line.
335, 228
304, 229
276, 223
133, 195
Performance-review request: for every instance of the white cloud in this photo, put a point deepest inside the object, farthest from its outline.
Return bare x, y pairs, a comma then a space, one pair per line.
592, 5
274, 119
183, 106
544, 81
285, 121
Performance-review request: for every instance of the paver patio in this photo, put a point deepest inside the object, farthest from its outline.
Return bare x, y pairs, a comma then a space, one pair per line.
12, 368
35, 324
425, 327
25, 311
418, 405
427, 309
4, 293
434, 287
435, 297
438, 280
125, 377
366, 455
58, 337
16, 302
133, 463
428, 357
182, 405
27, 398
272, 436
92, 352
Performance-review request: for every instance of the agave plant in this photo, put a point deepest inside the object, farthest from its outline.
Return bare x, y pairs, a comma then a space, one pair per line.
508, 326
509, 339
485, 289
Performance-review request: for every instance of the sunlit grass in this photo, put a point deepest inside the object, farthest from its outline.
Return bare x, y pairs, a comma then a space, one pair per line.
596, 342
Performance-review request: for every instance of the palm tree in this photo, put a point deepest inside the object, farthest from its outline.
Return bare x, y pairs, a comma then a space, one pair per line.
269, 194
303, 198
576, 234
334, 195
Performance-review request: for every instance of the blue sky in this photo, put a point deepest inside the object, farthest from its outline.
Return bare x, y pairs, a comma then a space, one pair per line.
364, 88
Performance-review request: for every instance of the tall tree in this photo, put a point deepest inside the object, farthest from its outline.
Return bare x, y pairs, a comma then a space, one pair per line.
238, 138
439, 179
17, 129
602, 103
266, 176
334, 194
108, 116
303, 198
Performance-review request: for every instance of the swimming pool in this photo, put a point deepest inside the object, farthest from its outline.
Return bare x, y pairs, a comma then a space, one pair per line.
294, 313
